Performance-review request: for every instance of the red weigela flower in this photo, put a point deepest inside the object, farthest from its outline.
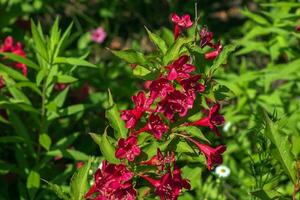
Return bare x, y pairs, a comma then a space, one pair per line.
213, 155
179, 69
170, 185
17, 49
157, 126
60, 86
213, 120
112, 182
131, 117
213, 54
128, 148
181, 23
297, 28
175, 102
205, 37
159, 160
160, 87
191, 85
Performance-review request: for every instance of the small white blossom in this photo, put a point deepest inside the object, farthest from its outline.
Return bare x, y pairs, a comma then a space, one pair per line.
226, 126
222, 171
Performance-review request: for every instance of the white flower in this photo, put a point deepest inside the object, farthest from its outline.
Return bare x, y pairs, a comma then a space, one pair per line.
226, 126
222, 171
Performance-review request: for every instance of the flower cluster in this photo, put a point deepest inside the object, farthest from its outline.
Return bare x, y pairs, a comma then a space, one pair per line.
206, 40
17, 49
163, 106
112, 182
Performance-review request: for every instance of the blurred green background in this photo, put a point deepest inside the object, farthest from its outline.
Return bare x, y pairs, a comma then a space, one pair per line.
262, 74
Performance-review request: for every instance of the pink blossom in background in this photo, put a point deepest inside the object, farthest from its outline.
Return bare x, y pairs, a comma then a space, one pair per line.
98, 35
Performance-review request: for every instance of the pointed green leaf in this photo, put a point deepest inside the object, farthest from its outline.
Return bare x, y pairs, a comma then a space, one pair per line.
45, 141
113, 115
159, 42
20, 59
107, 149
174, 50
73, 61
33, 183
79, 182
281, 148
131, 56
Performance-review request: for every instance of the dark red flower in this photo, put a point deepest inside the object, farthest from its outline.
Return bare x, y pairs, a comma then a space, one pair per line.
112, 182
17, 49
213, 54
213, 155
155, 125
160, 87
181, 23
170, 185
297, 28
205, 37
159, 160
191, 85
142, 104
60, 86
213, 120
175, 102
128, 148
179, 69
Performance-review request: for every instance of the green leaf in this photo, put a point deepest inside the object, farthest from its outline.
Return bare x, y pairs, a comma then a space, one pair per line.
222, 58
174, 51
193, 131
159, 42
13, 73
66, 79
38, 38
33, 183
265, 194
68, 153
113, 115
20, 59
61, 97
281, 148
73, 61
96, 138
63, 40
131, 56
79, 182
45, 141
255, 17
11, 139
107, 149
145, 74
60, 193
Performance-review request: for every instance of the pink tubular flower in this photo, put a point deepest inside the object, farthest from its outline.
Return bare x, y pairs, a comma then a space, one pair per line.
191, 85
213, 120
213, 54
98, 35
181, 23
175, 102
159, 160
213, 155
170, 185
131, 117
128, 148
179, 69
160, 87
112, 182
155, 125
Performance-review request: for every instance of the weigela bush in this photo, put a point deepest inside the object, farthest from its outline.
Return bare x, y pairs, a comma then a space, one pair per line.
176, 99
